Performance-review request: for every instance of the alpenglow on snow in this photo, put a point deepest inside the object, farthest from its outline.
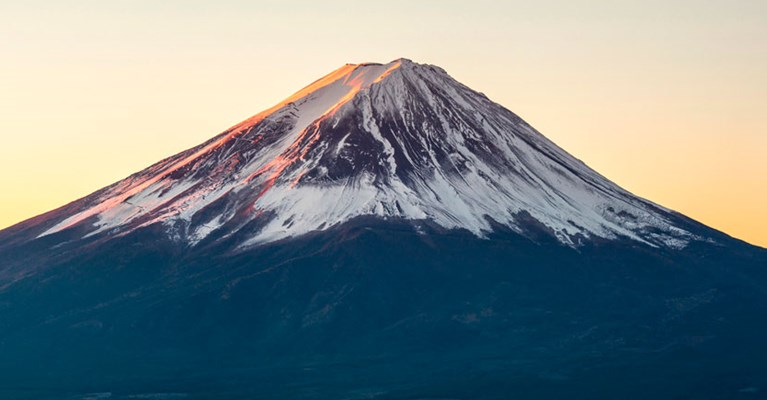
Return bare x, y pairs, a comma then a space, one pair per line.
397, 141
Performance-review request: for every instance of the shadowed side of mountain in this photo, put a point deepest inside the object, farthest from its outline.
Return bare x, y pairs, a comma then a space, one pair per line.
365, 307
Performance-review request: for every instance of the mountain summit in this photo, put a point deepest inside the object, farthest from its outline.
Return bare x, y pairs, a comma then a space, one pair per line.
385, 233
397, 141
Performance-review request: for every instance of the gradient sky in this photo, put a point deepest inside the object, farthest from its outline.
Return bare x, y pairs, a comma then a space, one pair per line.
668, 99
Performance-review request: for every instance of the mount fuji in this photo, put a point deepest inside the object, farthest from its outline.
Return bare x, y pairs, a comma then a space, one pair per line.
385, 232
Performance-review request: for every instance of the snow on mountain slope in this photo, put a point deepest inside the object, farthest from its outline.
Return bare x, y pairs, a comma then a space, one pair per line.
397, 140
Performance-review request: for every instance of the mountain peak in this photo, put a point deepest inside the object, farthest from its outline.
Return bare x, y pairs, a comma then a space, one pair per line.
401, 60
398, 140
330, 92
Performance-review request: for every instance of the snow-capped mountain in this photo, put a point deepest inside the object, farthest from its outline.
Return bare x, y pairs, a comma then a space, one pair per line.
397, 141
384, 233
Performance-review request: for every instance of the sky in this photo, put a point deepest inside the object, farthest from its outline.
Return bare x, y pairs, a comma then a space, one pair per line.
665, 98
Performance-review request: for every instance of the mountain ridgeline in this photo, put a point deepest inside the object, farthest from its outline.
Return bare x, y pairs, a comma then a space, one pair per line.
385, 232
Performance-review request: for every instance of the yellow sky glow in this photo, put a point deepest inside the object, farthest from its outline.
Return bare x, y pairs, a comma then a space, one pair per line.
667, 100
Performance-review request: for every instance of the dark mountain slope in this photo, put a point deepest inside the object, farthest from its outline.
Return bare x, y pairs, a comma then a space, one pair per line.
371, 308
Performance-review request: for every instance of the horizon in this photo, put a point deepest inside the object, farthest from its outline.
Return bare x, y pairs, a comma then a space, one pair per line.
155, 103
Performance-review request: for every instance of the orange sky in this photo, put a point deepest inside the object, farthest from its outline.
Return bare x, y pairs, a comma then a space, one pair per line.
665, 99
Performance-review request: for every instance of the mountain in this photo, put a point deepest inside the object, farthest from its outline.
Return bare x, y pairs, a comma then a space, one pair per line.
385, 232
